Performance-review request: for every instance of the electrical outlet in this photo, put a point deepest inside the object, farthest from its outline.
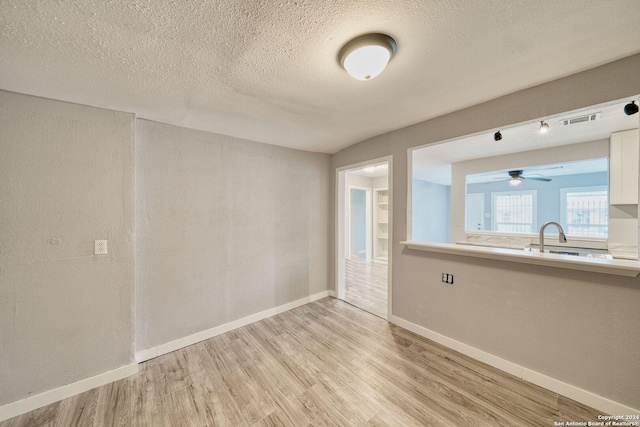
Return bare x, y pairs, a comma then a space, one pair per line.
447, 278
100, 247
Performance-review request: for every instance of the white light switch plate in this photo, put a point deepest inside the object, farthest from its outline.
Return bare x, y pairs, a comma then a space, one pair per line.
101, 247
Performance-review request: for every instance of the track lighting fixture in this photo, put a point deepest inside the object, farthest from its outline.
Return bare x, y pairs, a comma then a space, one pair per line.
544, 127
497, 136
631, 108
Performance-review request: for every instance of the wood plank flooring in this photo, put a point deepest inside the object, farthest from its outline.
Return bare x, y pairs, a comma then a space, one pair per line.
323, 364
366, 286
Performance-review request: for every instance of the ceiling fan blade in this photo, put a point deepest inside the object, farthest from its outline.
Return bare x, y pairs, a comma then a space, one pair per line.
533, 178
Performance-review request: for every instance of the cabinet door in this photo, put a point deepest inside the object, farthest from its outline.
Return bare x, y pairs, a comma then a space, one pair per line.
623, 167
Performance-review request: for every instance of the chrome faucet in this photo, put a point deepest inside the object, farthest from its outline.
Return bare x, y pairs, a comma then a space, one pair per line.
562, 238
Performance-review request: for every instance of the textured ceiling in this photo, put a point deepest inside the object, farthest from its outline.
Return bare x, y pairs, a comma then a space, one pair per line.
266, 70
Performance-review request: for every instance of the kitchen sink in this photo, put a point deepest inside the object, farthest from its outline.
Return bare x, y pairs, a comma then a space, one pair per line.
568, 250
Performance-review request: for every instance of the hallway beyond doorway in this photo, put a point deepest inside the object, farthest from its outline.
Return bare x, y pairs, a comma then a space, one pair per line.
363, 272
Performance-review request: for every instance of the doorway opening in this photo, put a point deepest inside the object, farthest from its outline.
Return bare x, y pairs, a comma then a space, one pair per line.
364, 236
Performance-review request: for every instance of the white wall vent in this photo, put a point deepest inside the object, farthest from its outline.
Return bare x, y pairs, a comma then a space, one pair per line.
588, 118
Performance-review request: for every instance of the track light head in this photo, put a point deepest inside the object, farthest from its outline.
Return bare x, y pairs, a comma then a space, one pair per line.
544, 127
631, 108
497, 136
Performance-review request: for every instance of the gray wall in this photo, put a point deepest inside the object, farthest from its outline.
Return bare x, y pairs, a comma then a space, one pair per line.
566, 324
67, 180
225, 228
431, 206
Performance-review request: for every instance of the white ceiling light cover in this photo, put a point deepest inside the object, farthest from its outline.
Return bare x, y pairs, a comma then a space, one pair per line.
365, 57
367, 62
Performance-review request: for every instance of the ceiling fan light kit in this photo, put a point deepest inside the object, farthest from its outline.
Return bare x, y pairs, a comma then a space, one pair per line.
517, 177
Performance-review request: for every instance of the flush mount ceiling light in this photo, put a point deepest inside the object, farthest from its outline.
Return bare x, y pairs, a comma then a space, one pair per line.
365, 57
544, 127
631, 108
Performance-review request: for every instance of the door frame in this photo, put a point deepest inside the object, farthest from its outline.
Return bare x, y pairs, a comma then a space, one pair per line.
340, 201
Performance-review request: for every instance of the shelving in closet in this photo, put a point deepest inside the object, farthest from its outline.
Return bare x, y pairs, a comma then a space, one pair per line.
381, 221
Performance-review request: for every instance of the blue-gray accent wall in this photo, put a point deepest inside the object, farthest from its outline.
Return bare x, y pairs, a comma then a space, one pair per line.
358, 242
431, 217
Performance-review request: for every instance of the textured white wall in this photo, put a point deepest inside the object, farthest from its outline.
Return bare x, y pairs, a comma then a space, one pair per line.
580, 328
66, 180
225, 228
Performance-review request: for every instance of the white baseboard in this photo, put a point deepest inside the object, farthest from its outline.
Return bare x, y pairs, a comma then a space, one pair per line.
594, 400
332, 293
19, 407
34, 402
586, 397
144, 355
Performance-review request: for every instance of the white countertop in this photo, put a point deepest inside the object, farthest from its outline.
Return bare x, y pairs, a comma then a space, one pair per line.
617, 250
623, 251
620, 267
507, 242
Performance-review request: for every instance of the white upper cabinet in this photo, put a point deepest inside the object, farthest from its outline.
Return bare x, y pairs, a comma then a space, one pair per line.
623, 167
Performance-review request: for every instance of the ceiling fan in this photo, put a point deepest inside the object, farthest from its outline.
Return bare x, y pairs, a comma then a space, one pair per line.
517, 177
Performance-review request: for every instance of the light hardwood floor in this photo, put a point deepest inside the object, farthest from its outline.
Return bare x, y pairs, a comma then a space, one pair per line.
323, 364
366, 286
